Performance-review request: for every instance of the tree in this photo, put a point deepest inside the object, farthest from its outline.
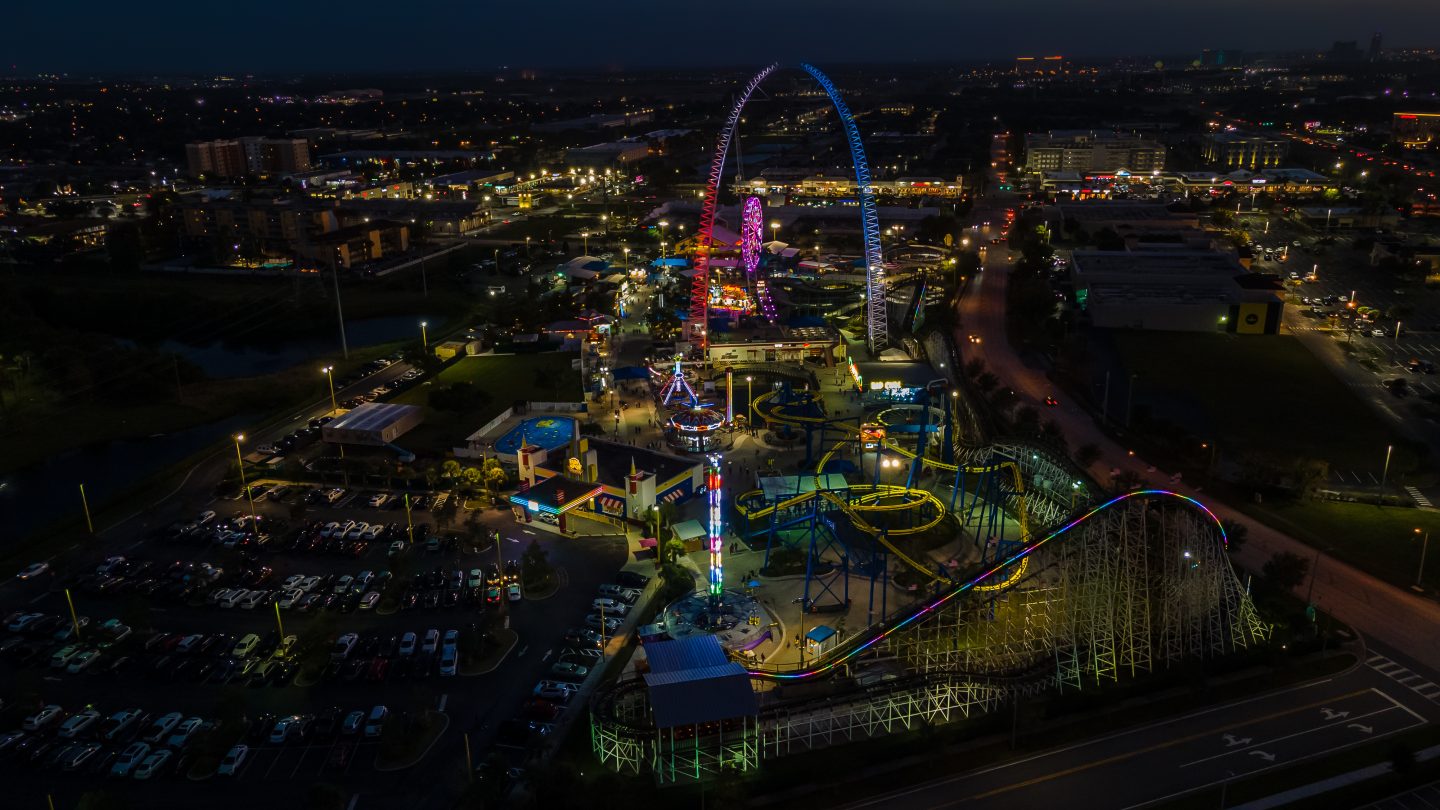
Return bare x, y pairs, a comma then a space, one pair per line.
974, 368
986, 382
1086, 455
494, 474
1285, 571
470, 477
535, 566
450, 469
1236, 533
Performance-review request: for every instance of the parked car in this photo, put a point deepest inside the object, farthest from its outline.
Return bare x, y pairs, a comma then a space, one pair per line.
131, 757
76, 725
245, 645
569, 670
153, 765
234, 758
375, 723
42, 718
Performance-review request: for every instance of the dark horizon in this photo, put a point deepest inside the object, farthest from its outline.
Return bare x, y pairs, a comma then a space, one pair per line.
369, 38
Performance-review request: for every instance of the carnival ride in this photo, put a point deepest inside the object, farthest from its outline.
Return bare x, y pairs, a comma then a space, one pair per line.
1085, 594
877, 335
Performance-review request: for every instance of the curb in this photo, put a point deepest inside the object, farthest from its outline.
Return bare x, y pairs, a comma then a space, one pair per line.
498, 661
416, 761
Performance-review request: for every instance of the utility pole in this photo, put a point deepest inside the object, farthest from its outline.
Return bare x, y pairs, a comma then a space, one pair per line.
339, 310
85, 504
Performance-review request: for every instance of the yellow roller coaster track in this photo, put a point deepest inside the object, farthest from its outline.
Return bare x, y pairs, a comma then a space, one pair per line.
876, 498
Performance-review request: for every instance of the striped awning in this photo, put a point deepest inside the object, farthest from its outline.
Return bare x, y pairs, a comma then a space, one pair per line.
610, 504
672, 496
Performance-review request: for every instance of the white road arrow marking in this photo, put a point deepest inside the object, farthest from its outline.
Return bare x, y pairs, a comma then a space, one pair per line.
1231, 740
1263, 755
1361, 728
522, 652
1331, 714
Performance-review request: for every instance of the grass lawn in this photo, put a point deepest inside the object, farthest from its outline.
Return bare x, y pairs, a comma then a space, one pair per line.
1263, 392
1377, 539
545, 377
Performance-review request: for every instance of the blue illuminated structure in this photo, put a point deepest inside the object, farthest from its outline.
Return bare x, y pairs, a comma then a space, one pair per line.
717, 520
877, 335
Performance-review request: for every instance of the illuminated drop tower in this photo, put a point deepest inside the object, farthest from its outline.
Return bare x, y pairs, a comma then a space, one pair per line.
717, 565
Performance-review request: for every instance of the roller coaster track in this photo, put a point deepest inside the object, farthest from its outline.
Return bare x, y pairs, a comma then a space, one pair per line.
880, 633
885, 498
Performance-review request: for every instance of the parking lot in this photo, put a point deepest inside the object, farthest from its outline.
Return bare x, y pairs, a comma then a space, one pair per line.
196, 664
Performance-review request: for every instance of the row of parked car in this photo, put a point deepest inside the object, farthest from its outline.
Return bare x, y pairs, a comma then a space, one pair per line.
130, 743
378, 658
323, 727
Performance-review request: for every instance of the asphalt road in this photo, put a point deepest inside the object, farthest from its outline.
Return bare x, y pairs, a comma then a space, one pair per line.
1204, 749
1398, 618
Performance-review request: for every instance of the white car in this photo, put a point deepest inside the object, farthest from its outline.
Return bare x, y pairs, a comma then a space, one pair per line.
370, 600
407, 644
162, 726
77, 724
33, 571
219, 595
23, 621
378, 499
289, 598
234, 758
343, 645
354, 532
183, 732
245, 645
152, 765
40, 719
476, 578
330, 529
254, 599
233, 598
189, 643
309, 584
129, 758
292, 582
372, 532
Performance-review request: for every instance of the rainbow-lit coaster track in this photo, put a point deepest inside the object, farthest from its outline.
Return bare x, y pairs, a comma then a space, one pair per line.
1137, 583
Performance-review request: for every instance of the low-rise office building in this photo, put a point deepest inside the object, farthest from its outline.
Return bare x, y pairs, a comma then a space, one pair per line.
1175, 291
1091, 151
1241, 150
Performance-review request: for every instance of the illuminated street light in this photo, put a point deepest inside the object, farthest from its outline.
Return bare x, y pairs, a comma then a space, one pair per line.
240, 465
424, 336
329, 372
1425, 546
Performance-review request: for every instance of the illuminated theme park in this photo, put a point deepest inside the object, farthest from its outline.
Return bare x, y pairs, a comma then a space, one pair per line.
882, 559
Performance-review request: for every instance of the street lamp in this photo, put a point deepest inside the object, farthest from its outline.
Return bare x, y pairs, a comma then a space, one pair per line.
775, 230
527, 247
626, 251
424, 336
750, 403
585, 243
1385, 472
1424, 546
240, 465
329, 372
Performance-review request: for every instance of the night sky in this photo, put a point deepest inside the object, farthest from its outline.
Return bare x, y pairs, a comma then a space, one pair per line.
268, 36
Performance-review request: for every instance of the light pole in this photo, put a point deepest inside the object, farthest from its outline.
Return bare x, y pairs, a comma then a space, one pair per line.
775, 230
1385, 472
240, 465
527, 247
750, 404
424, 336
1424, 546
329, 372
626, 251
585, 243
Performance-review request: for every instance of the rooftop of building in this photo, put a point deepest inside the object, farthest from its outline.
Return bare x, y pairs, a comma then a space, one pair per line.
373, 416
614, 461
1112, 265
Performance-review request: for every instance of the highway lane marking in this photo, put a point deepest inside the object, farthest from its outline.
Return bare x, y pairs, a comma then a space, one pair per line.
1343, 721
1118, 757
1233, 776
